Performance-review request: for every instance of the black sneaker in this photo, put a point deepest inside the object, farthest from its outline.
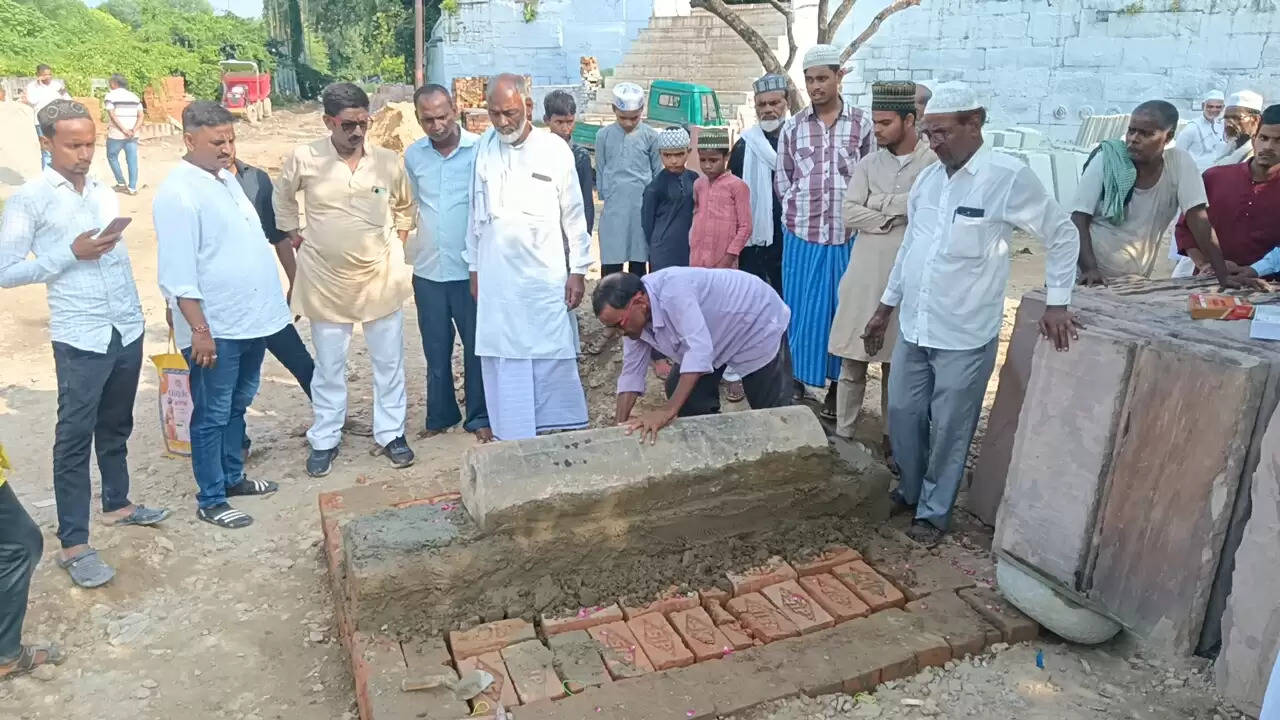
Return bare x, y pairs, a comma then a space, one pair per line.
397, 451
923, 532
252, 487
320, 462
224, 516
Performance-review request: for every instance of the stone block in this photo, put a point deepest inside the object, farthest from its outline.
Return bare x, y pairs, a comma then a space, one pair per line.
577, 661
1122, 91
660, 642
1154, 25
798, 607
869, 586
1152, 55
737, 635
622, 654
531, 667
762, 619
773, 571
1237, 51
1044, 27
581, 620
920, 574
571, 474
838, 600
502, 690
700, 635
826, 561
489, 637
947, 615
1053, 490
1017, 59
1014, 626
1088, 52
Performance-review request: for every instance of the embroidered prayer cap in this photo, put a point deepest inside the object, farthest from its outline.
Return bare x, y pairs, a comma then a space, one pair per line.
770, 83
1247, 99
673, 138
1214, 95
820, 55
628, 97
894, 96
952, 97
713, 138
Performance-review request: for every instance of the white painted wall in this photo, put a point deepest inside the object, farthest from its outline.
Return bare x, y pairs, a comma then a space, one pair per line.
1047, 63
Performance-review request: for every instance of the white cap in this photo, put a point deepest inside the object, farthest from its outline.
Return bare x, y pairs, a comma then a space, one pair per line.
1214, 95
1247, 99
820, 55
952, 97
628, 97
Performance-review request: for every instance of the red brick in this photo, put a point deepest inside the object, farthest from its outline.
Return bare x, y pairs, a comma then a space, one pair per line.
622, 654
869, 586
581, 620
489, 637
827, 560
834, 597
701, 635
671, 601
1014, 626
946, 615
762, 618
531, 667
719, 615
737, 636
502, 690
792, 601
660, 642
713, 595
772, 572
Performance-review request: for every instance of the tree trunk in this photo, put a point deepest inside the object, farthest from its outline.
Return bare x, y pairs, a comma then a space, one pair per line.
761, 47
838, 17
874, 25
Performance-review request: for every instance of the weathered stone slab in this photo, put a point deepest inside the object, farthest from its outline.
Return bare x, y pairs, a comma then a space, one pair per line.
1063, 452
531, 667
1187, 429
1251, 623
577, 660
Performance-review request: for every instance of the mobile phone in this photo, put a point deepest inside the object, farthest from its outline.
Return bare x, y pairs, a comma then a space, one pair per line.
116, 226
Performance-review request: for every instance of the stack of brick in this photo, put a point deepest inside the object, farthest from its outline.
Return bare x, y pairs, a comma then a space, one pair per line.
165, 99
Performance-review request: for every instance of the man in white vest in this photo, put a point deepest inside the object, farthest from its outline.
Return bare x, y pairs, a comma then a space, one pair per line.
753, 159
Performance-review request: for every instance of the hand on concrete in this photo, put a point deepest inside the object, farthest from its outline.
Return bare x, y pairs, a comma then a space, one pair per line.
1060, 326
649, 424
574, 289
88, 245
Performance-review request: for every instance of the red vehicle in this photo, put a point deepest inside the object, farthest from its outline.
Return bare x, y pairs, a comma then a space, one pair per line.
245, 91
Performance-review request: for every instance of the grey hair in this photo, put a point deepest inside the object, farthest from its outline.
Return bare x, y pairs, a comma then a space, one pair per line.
57, 111
517, 83
205, 113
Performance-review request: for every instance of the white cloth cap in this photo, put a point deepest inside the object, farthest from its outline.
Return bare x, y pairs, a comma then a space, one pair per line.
819, 55
1214, 95
628, 97
1246, 99
952, 97
673, 138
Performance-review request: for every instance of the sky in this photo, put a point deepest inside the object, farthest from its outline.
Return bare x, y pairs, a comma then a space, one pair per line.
243, 8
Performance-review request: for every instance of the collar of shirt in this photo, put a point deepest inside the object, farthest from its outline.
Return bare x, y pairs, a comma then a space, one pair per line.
465, 140
58, 180
847, 113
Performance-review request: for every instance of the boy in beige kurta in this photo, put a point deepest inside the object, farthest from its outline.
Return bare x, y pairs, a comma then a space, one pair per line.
875, 207
350, 269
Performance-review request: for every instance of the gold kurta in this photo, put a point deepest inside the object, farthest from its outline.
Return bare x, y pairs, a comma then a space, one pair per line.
351, 263
875, 206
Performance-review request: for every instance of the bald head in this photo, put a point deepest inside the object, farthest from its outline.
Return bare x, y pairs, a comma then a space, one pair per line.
510, 107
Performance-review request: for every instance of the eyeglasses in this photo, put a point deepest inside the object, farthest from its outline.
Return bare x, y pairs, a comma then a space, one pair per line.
349, 126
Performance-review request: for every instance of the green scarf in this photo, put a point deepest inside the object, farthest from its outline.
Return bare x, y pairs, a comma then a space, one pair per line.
1118, 178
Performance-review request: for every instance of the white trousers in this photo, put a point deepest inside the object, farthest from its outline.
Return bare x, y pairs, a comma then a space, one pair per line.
526, 397
385, 339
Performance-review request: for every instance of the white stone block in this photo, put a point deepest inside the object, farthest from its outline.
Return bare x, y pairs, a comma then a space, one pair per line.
1153, 54
1237, 51
1132, 88
1066, 175
1044, 27
1015, 58
1090, 52
1041, 164
1154, 24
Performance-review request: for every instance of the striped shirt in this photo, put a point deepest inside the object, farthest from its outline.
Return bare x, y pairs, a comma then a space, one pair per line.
814, 165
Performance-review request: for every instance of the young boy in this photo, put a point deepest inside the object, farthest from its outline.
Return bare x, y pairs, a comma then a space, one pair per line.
721, 219
667, 209
626, 161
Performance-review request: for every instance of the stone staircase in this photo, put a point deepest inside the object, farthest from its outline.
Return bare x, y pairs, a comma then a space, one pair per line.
697, 48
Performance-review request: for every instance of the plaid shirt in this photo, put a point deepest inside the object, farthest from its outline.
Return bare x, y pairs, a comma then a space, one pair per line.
814, 165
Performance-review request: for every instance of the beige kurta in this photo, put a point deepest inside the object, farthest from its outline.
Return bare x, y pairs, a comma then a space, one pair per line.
875, 206
351, 263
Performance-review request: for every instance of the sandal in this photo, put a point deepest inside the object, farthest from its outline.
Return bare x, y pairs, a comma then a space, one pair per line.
141, 515
251, 487
29, 658
735, 393
87, 570
225, 517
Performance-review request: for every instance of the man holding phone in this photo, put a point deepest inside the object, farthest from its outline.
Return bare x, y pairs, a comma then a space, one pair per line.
68, 222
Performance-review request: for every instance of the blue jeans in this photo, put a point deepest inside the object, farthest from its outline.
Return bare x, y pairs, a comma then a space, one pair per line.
45, 157
219, 396
441, 307
130, 148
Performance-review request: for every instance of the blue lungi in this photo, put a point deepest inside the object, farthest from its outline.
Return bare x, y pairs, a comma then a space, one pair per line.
810, 286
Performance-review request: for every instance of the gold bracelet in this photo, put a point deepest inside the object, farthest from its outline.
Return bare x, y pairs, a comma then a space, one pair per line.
200, 329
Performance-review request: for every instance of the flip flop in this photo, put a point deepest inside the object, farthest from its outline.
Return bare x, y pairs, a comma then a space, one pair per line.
735, 392
141, 515
87, 570
28, 659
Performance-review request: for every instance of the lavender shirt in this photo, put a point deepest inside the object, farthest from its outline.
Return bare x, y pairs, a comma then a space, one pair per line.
705, 319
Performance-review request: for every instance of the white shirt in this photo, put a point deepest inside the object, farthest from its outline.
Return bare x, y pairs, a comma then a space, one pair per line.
210, 247
950, 275
1203, 140
128, 109
87, 298
39, 94
526, 205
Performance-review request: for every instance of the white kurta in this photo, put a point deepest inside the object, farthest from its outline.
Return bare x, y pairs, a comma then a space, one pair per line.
625, 164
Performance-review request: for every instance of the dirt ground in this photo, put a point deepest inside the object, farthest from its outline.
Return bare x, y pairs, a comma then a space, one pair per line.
206, 623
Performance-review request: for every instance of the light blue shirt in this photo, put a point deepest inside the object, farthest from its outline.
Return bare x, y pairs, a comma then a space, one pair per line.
1269, 264
442, 187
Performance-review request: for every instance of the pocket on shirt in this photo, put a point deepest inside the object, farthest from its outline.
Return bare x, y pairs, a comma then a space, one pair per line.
539, 198
971, 237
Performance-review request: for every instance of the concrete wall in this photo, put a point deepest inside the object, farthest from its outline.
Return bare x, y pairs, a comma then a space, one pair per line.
1048, 64
486, 37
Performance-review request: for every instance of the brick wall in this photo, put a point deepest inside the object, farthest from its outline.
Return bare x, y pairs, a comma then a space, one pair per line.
1046, 65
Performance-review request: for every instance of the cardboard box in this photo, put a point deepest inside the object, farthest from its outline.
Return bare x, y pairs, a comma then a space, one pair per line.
1211, 306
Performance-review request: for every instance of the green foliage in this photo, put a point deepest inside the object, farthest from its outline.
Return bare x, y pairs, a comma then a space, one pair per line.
449, 6
144, 40
530, 10
372, 38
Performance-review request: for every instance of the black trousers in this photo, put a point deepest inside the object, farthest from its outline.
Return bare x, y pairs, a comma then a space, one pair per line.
20, 548
768, 387
288, 348
95, 411
635, 268
765, 263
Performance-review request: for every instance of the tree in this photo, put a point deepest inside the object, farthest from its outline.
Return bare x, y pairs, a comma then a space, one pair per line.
829, 22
